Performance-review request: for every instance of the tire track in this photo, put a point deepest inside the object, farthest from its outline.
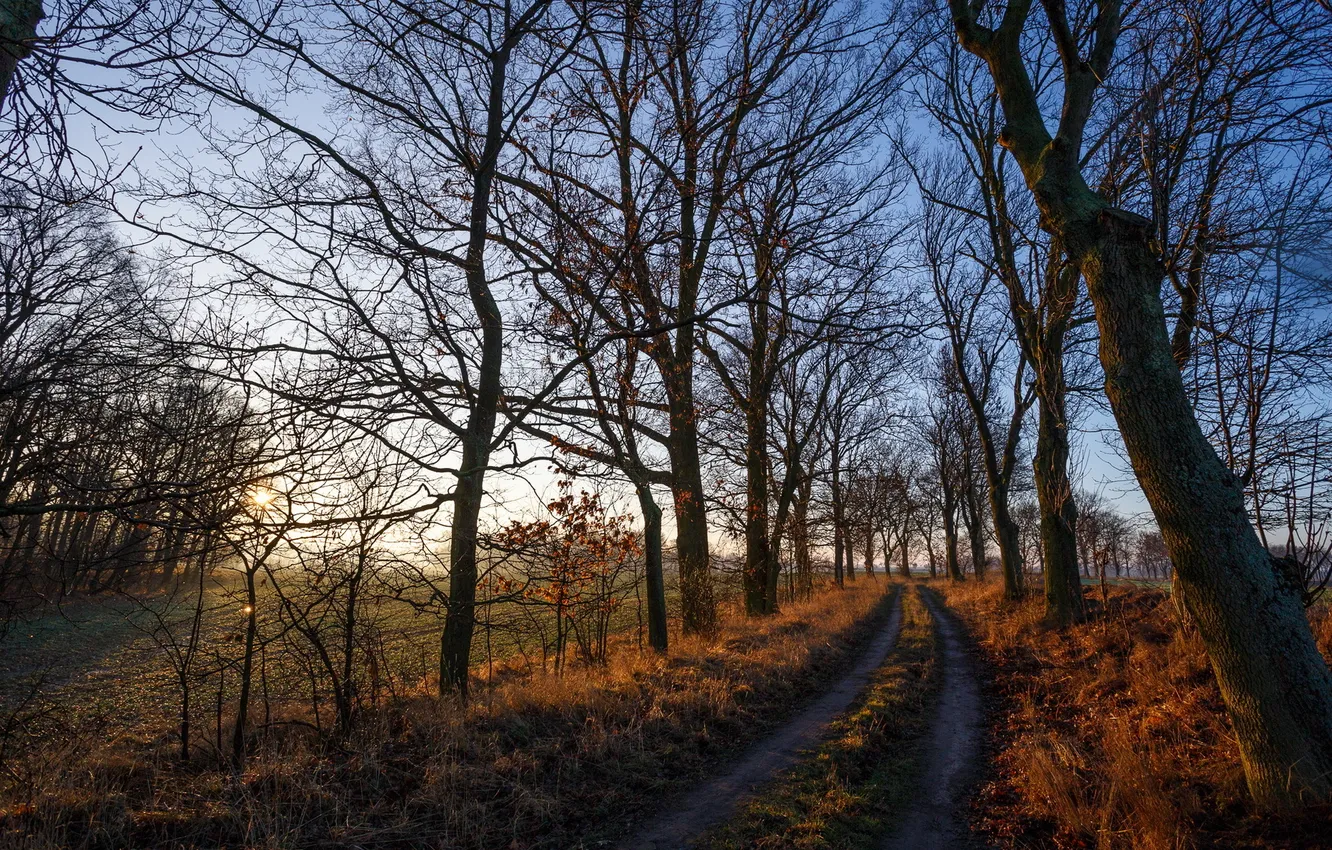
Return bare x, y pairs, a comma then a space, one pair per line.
937, 818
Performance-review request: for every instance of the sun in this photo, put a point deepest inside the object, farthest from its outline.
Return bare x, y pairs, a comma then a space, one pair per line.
262, 496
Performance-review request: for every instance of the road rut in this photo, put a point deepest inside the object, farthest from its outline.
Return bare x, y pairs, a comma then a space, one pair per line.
937, 818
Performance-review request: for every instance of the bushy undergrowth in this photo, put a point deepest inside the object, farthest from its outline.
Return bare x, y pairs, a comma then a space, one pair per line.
846, 792
534, 760
1113, 734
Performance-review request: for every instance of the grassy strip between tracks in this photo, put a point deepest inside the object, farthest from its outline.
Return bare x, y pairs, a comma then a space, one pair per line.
848, 792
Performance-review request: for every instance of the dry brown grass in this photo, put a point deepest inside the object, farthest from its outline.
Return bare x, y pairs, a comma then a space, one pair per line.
1113, 734
532, 761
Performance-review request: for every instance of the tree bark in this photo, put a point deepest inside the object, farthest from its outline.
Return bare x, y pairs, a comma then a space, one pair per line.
1059, 514
18, 26
697, 605
758, 555
656, 584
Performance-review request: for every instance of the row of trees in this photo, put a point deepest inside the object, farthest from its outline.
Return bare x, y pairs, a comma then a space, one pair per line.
806, 270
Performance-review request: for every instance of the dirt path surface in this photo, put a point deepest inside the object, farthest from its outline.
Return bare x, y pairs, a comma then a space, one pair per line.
937, 817
715, 799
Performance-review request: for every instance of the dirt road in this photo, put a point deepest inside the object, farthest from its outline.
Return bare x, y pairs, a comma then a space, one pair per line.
937, 817
715, 799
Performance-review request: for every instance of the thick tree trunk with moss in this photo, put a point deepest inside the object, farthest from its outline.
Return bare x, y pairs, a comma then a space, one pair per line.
1276, 684
18, 26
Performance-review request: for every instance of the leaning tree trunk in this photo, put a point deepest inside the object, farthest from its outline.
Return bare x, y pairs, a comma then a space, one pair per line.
1276, 684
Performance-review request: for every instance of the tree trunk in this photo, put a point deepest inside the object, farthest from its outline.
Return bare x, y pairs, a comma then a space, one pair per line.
906, 544
656, 584
800, 539
952, 564
246, 673
838, 542
18, 26
974, 521
849, 541
1276, 684
758, 555
1010, 543
1054, 492
455, 656
697, 605
869, 552
1059, 542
